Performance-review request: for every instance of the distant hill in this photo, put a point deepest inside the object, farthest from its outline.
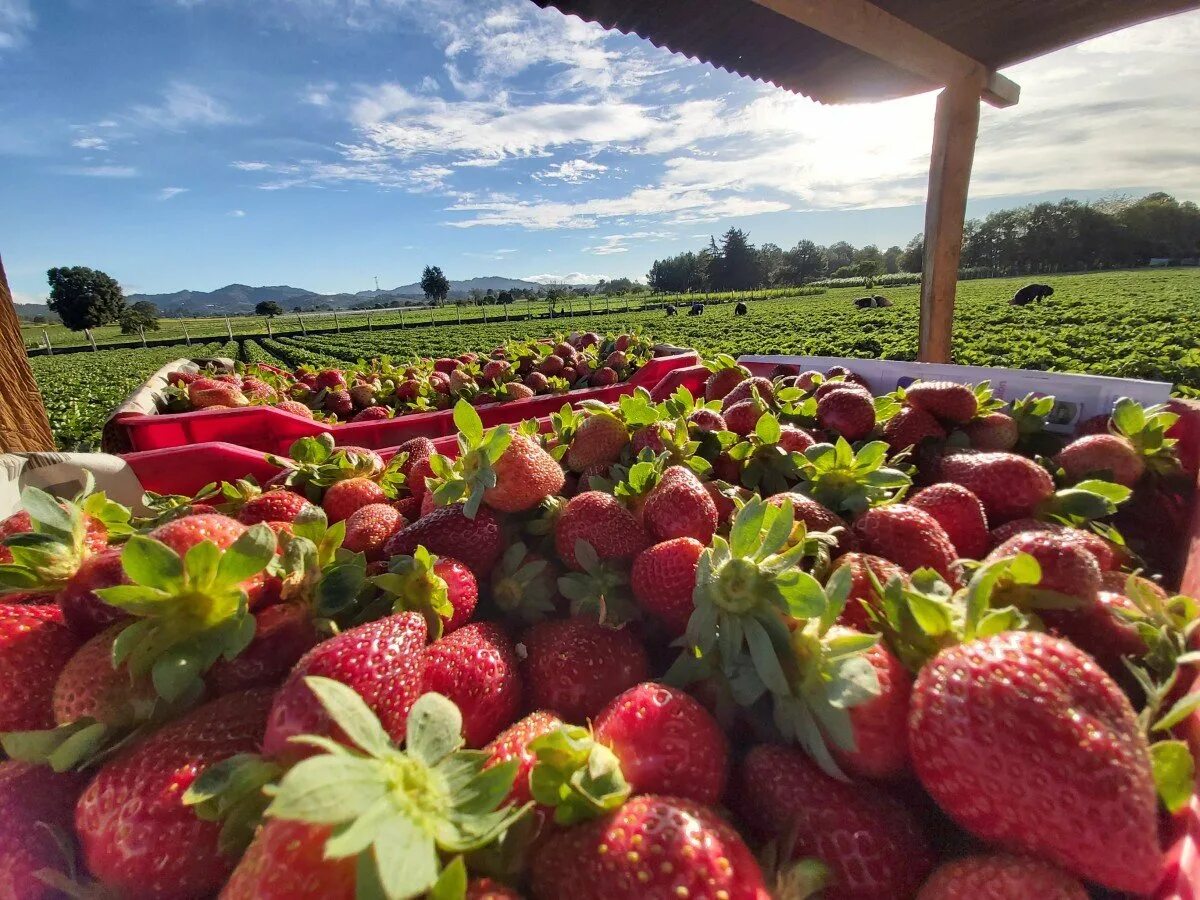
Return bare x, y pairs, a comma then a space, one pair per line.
27, 311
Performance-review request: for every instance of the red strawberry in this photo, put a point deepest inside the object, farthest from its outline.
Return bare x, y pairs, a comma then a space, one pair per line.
909, 427
137, 836
441, 589
1066, 567
1000, 876
183, 534
283, 633
286, 861
829, 387
343, 498
721, 382
35, 645
18, 523
36, 804
417, 448
1108, 556
489, 889
84, 611
880, 750
369, 527
525, 476
536, 382
372, 414
909, 537
745, 390
1008, 485
295, 408
650, 437
339, 403
330, 379
848, 413
707, 420
861, 590
513, 743
1102, 456
992, 431
743, 416
447, 530
420, 471
1000, 724
871, 843
205, 393
960, 513
476, 667
380, 660
663, 579
88, 685
603, 377
1100, 630
795, 440
651, 848
950, 402
575, 666
679, 506
600, 520
274, 506
666, 743
515, 390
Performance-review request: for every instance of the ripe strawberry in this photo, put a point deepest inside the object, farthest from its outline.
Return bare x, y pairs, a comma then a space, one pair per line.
515, 390
651, 848
83, 610
848, 413
949, 402
1108, 556
721, 382
707, 420
795, 440
992, 431
871, 843
35, 645
257, 389
880, 751
283, 633
663, 579
741, 417
513, 744
286, 861
419, 477
960, 513
474, 542
372, 414
441, 589
650, 437
909, 537
745, 390
1008, 485
206, 393
274, 506
380, 660
489, 889
829, 387
998, 724
666, 743
1066, 567
36, 804
536, 382
817, 517
909, 427
476, 667
1102, 456
1101, 631
854, 614
18, 523
183, 534
330, 379
552, 365
89, 685
295, 408
525, 475
417, 449
343, 498
575, 666
369, 527
679, 506
1000, 876
137, 836
600, 520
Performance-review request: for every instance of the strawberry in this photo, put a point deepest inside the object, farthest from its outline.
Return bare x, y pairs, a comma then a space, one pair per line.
380, 660
663, 580
909, 537
419, 477
369, 527
490, 889
525, 476
817, 517
286, 861
960, 513
604, 376
275, 506
651, 848
1066, 568
283, 633
1101, 631
1107, 456
372, 414
18, 523
36, 805
679, 506
441, 589
1008, 485
343, 498
137, 836
339, 403
575, 666
795, 440
707, 420
44, 547
1108, 556
862, 591
35, 646
536, 382
83, 609
1000, 876
740, 418
89, 685
848, 413
598, 519
808, 379
513, 744
447, 530
871, 844
880, 751
295, 408
206, 393
910, 426
415, 449
476, 667
515, 390
746, 389
330, 379
723, 380
1001, 723
992, 431
949, 402
830, 386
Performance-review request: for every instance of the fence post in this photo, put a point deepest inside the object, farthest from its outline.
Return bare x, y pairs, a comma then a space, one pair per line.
91, 338
270, 333
505, 305
300, 319
187, 337
402, 317
142, 332
458, 311
49, 348
589, 306
431, 315
368, 321
228, 328
484, 308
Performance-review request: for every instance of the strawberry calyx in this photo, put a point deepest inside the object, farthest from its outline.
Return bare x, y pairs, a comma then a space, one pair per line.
1031, 414
723, 361
189, 611
47, 555
232, 792
1084, 502
849, 482
523, 587
683, 403
473, 472
576, 775
225, 497
601, 591
1146, 428
766, 466
314, 463
411, 585
316, 571
397, 811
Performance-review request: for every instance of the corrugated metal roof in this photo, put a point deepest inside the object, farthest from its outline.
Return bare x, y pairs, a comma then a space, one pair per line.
747, 39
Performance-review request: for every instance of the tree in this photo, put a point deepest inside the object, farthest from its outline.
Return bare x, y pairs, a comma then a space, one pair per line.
891, 259
504, 298
840, 254
913, 257
805, 262
736, 267
143, 315
268, 308
772, 263
84, 298
435, 284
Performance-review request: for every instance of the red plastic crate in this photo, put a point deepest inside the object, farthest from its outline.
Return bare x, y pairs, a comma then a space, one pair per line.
272, 430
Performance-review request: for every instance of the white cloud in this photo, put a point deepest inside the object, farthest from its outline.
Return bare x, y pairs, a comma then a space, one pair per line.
184, 104
99, 171
90, 143
16, 21
251, 166
566, 278
573, 171
168, 193
319, 94
615, 243
237, 213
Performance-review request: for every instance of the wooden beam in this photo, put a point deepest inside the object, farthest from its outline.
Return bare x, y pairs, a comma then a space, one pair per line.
23, 423
865, 26
955, 129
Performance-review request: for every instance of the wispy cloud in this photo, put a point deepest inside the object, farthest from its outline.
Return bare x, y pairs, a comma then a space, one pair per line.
99, 171
168, 193
16, 21
564, 278
237, 213
90, 143
573, 171
617, 243
183, 104
319, 94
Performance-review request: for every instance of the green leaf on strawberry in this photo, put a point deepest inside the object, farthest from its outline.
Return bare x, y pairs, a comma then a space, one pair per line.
50, 553
576, 775
411, 585
473, 472
847, 481
601, 590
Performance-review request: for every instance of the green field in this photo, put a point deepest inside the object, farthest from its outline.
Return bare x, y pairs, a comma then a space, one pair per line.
1135, 324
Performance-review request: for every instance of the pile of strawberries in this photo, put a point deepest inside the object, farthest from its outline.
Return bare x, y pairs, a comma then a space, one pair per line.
383, 388
785, 639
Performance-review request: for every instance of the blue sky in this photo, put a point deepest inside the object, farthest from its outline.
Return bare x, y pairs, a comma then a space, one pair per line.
193, 143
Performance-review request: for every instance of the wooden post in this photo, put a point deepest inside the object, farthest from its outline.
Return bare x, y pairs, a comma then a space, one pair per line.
49, 348
431, 314
458, 310
270, 333
955, 128
337, 326
483, 306
91, 338
303, 327
402, 315
23, 424
228, 328
187, 337
142, 332
368, 321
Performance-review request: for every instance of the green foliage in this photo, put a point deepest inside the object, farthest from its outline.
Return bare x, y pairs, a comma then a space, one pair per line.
268, 308
143, 315
435, 284
83, 297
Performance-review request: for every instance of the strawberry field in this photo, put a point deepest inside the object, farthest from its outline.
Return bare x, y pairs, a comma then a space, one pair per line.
1135, 324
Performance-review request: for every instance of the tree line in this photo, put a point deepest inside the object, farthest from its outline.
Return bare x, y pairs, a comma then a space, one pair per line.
1038, 238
